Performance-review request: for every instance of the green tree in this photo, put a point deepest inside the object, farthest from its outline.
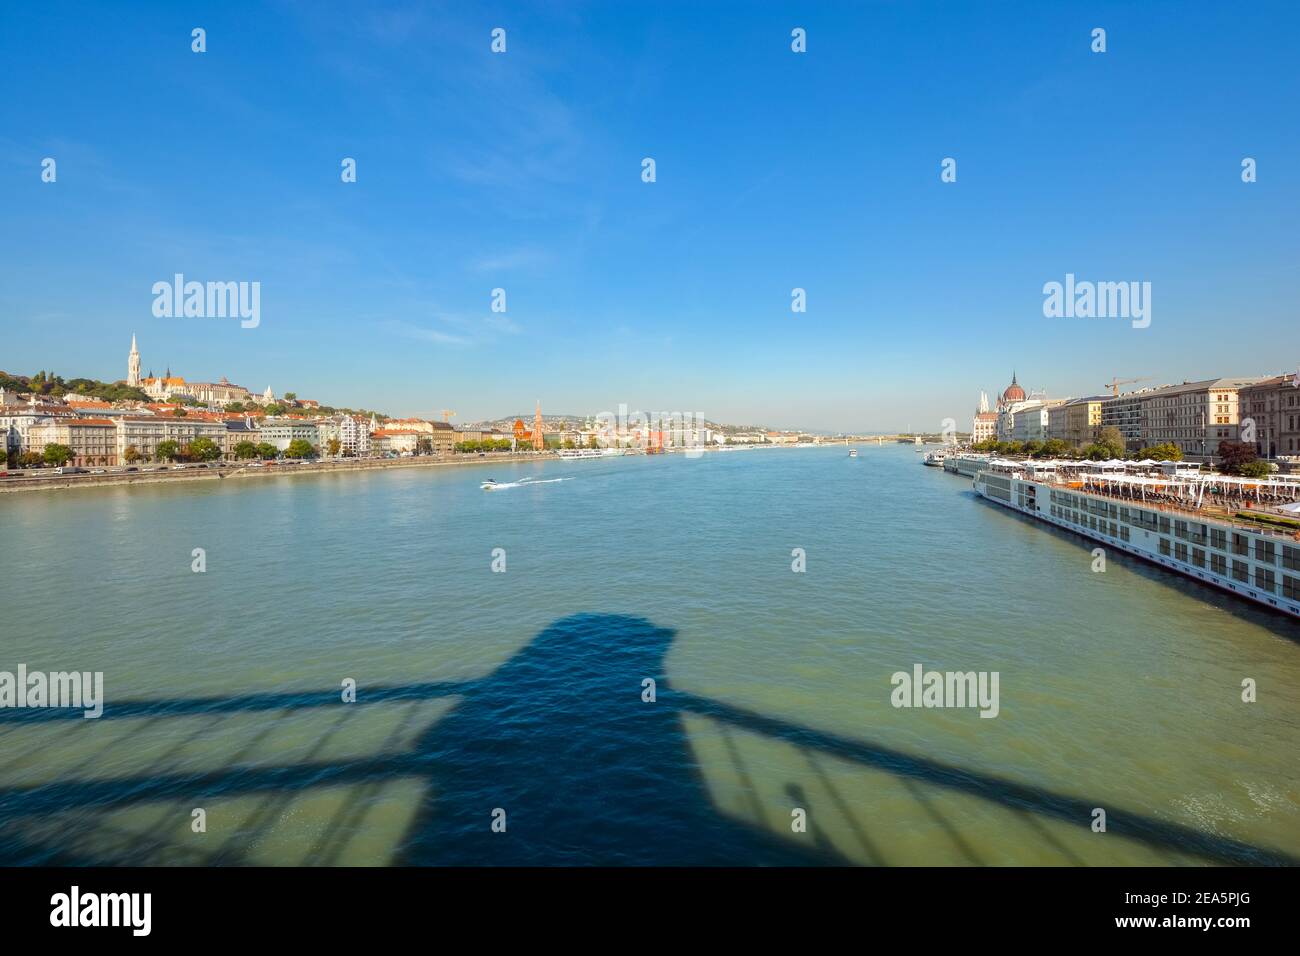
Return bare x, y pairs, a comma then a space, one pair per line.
131, 454
424, 445
333, 446
267, 451
1167, 451
291, 396
30, 459
56, 454
245, 450
591, 442
1255, 468
1052, 448
300, 448
167, 451
203, 449
1113, 439
1096, 452
235, 407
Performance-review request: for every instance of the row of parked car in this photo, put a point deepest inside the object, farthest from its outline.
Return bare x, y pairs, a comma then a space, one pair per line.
78, 470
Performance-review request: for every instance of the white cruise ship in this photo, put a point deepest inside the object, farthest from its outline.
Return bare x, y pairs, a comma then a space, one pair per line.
590, 452
1160, 518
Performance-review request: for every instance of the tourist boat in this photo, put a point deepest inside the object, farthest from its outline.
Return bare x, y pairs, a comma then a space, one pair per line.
587, 452
1163, 519
933, 458
853, 453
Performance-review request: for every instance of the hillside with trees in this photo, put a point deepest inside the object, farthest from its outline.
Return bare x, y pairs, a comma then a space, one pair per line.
54, 386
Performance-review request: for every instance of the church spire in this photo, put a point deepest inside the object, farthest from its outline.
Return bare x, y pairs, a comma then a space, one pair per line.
133, 365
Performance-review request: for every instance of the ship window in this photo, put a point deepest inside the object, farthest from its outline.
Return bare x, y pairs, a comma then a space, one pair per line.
1218, 564
1264, 551
1241, 571
1264, 580
1164, 545
1290, 587
1198, 557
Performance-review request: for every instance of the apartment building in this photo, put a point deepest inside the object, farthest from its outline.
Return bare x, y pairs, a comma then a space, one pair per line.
1272, 406
1195, 416
1077, 421
281, 432
145, 433
16, 422
93, 440
1124, 412
398, 441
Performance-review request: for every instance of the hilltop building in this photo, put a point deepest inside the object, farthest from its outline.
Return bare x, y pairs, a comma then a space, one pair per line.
168, 386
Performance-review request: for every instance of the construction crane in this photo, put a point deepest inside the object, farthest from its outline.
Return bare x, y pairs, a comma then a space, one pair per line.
1115, 383
446, 414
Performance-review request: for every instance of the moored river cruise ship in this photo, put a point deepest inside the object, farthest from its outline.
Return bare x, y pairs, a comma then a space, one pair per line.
1183, 522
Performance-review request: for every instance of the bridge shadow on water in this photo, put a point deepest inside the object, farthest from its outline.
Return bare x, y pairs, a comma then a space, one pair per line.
559, 738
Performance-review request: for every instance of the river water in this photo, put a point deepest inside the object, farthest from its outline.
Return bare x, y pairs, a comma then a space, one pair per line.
501, 717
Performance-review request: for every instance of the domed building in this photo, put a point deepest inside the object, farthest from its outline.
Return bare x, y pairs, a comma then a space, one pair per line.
1014, 392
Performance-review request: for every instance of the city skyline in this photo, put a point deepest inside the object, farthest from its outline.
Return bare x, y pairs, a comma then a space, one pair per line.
775, 171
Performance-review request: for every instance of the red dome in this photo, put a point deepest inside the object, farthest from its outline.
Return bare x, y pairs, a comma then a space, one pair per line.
1014, 392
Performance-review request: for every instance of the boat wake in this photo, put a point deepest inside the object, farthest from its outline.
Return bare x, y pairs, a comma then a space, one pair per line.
490, 485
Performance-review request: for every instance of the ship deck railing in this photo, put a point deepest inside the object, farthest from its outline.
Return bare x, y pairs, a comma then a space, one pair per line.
1200, 497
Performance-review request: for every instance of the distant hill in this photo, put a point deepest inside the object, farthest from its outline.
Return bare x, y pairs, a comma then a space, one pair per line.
42, 383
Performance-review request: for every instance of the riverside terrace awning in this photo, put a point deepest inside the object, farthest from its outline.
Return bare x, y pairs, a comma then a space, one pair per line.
1192, 488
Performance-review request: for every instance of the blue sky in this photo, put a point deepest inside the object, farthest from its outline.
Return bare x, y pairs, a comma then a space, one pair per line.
775, 170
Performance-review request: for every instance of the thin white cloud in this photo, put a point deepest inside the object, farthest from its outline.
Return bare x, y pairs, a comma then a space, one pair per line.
510, 261
422, 334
